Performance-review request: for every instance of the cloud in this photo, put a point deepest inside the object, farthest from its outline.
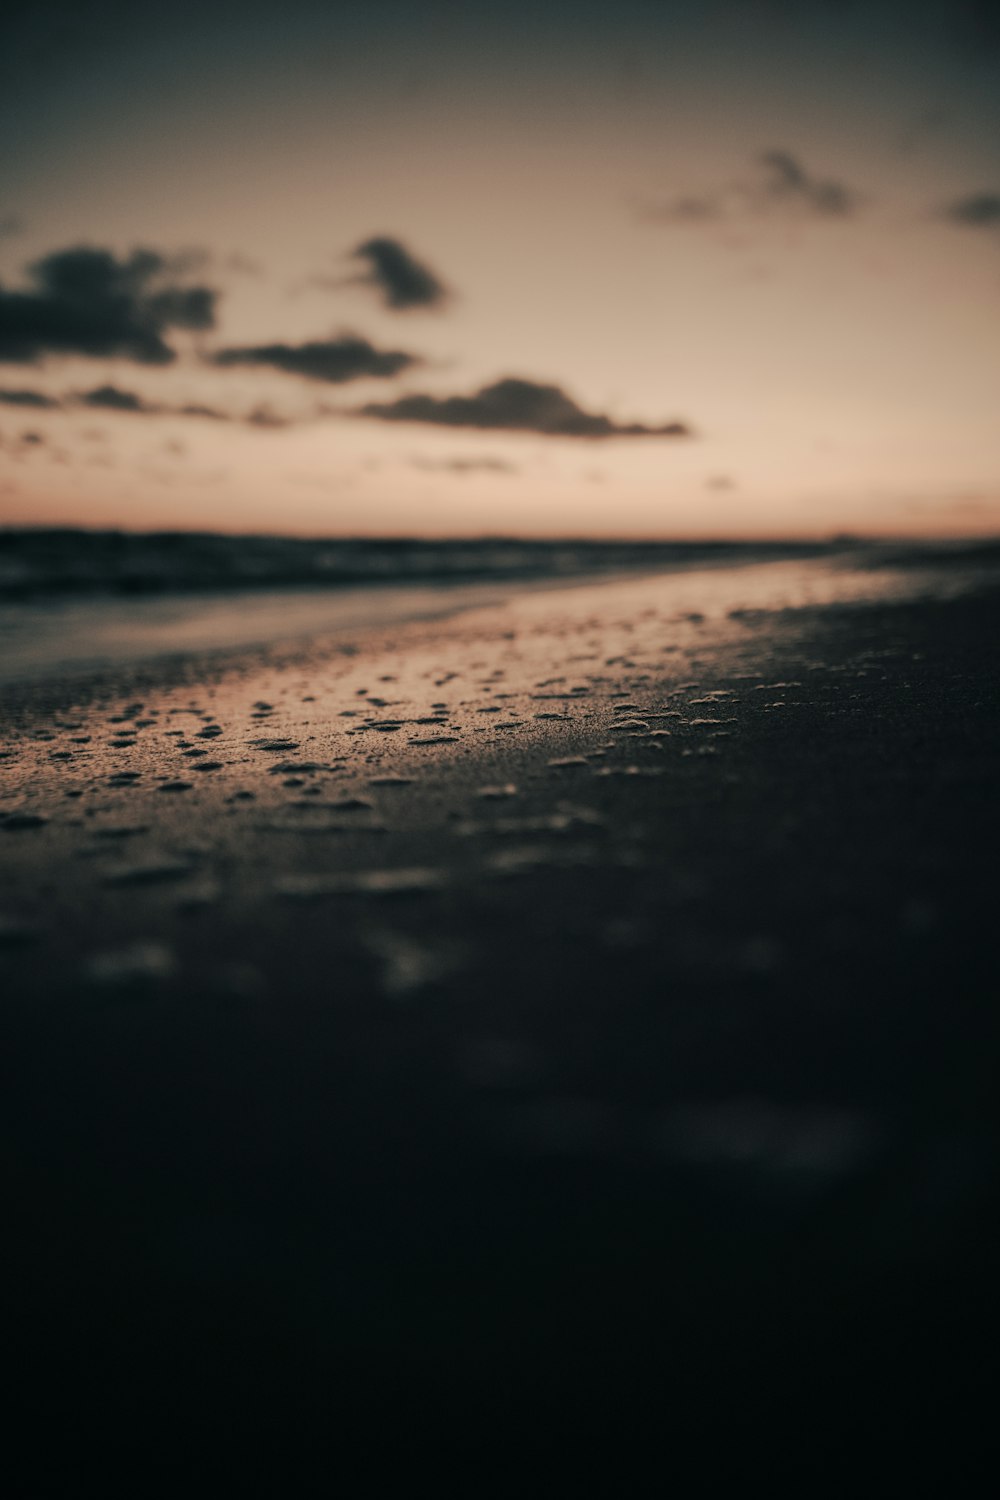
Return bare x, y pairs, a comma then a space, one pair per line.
464, 466
978, 211
23, 444
513, 405
29, 398
689, 209
263, 417
110, 398
789, 182
193, 409
781, 185
338, 360
113, 398
403, 282
86, 301
9, 224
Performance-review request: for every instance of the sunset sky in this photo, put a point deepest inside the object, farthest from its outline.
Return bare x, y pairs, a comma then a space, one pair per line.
644, 269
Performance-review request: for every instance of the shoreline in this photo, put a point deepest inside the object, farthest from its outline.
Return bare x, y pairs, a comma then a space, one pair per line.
73, 636
57, 649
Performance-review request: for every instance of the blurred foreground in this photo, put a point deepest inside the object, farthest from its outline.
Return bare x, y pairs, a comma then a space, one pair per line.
562, 1028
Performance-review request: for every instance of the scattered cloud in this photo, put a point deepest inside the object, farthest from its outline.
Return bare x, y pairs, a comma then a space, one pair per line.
194, 409
264, 417
688, 209
86, 301
23, 444
113, 398
35, 399
463, 466
110, 398
513, 405
402, 280
781, 185
348, 357
977, 211
788, 181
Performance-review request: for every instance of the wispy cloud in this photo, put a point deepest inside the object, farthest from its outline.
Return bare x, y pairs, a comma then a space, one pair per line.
788, 182
463, 466
781, 185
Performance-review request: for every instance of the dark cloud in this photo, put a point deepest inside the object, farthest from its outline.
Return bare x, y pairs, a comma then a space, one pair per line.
110, 398
29, 398
348, 357
782, 185
403, 282
513, 405
86, 301
978, 211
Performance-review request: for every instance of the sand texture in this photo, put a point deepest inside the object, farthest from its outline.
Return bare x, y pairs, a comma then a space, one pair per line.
574, 1016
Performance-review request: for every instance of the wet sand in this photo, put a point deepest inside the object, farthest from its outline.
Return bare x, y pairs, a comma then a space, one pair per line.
566, 1025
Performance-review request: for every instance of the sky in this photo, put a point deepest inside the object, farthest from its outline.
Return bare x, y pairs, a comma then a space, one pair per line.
649, 269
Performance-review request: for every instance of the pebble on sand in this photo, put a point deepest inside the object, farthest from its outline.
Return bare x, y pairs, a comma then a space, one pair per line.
139, 963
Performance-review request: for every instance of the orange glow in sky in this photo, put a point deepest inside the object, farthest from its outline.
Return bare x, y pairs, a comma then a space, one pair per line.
783, 235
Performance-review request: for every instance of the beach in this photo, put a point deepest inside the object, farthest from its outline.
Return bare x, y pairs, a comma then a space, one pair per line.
566, 1013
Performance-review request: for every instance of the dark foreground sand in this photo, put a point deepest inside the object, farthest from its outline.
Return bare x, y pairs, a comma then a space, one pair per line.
557, 1035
